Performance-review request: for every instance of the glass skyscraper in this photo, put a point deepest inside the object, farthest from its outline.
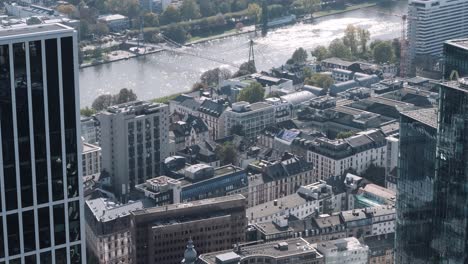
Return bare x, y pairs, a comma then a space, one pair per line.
416, 172
450, 227
40, 160
456, 57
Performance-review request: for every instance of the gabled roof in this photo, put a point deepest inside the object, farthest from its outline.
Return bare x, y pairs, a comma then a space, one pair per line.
213, 107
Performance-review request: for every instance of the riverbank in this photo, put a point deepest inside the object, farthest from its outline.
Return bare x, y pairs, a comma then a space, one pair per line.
320, 14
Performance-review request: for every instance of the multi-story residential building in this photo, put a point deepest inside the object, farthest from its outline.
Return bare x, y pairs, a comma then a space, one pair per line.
213, 113
90, 130
456, 57
160, 233
344, 250
191, 131
272, 180
41, 190
335, 157
108, 236
251, 118
184, 104
432, 22
295, 250
91, 161
316, 198
316, 227
451, 180
415, 187
283, 110
135, 139
201, 182
381, 249
341, 75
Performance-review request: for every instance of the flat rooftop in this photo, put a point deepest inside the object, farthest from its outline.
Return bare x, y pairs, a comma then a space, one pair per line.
106, 210
191, 204
7, 32
269, 208
425, 116
294, 246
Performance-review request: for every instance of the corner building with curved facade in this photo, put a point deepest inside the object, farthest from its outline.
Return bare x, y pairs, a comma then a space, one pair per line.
40, 160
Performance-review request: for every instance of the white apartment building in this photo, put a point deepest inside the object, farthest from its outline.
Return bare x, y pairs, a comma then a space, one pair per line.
252, 118
91, 161
278, 179
344, 250
213, 113
334, 157
134, 141
383, 219
90, 131
432, 22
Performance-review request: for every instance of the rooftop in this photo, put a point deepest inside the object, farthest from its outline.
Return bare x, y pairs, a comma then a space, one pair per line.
342, 244
106, 210
269, 208
276, 250
32, 31
425, 116
191, 204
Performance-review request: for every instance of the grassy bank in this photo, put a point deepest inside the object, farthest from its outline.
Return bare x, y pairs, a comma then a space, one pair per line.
339, 11
165, 99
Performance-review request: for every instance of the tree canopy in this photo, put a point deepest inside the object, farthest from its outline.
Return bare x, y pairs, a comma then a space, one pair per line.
253, 93
338, 49
226, 153
189, 10
245, 68
320, 80
299, 56
320, 52
383, 52
212, 77
104, 101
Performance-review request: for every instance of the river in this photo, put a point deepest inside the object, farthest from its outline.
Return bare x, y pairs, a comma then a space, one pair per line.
167, 73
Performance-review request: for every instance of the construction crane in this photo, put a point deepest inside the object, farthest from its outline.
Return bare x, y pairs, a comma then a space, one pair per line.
403, 43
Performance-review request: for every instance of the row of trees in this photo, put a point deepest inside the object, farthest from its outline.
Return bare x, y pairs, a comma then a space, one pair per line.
104, 101
355, 45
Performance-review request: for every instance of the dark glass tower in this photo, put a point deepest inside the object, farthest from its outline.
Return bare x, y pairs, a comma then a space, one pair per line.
450, 227
40, 162
416, 172
456, 57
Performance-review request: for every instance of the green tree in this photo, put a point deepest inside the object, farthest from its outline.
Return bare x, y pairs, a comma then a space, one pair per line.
170, 15
97, 53
100, 29
224, 7
345, 134
124, 96
226, 153
151, 19
253, 93
383, 52
212, 77
364, 37
310, 6
320, 80
299, 56
396, 48
350, 39
84, 29
207, 8
237, 130
338, 49
177, 33
245, 68
264, 18
102, 102
189, 10
320, 52
254, 11
87, 111
276, 10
